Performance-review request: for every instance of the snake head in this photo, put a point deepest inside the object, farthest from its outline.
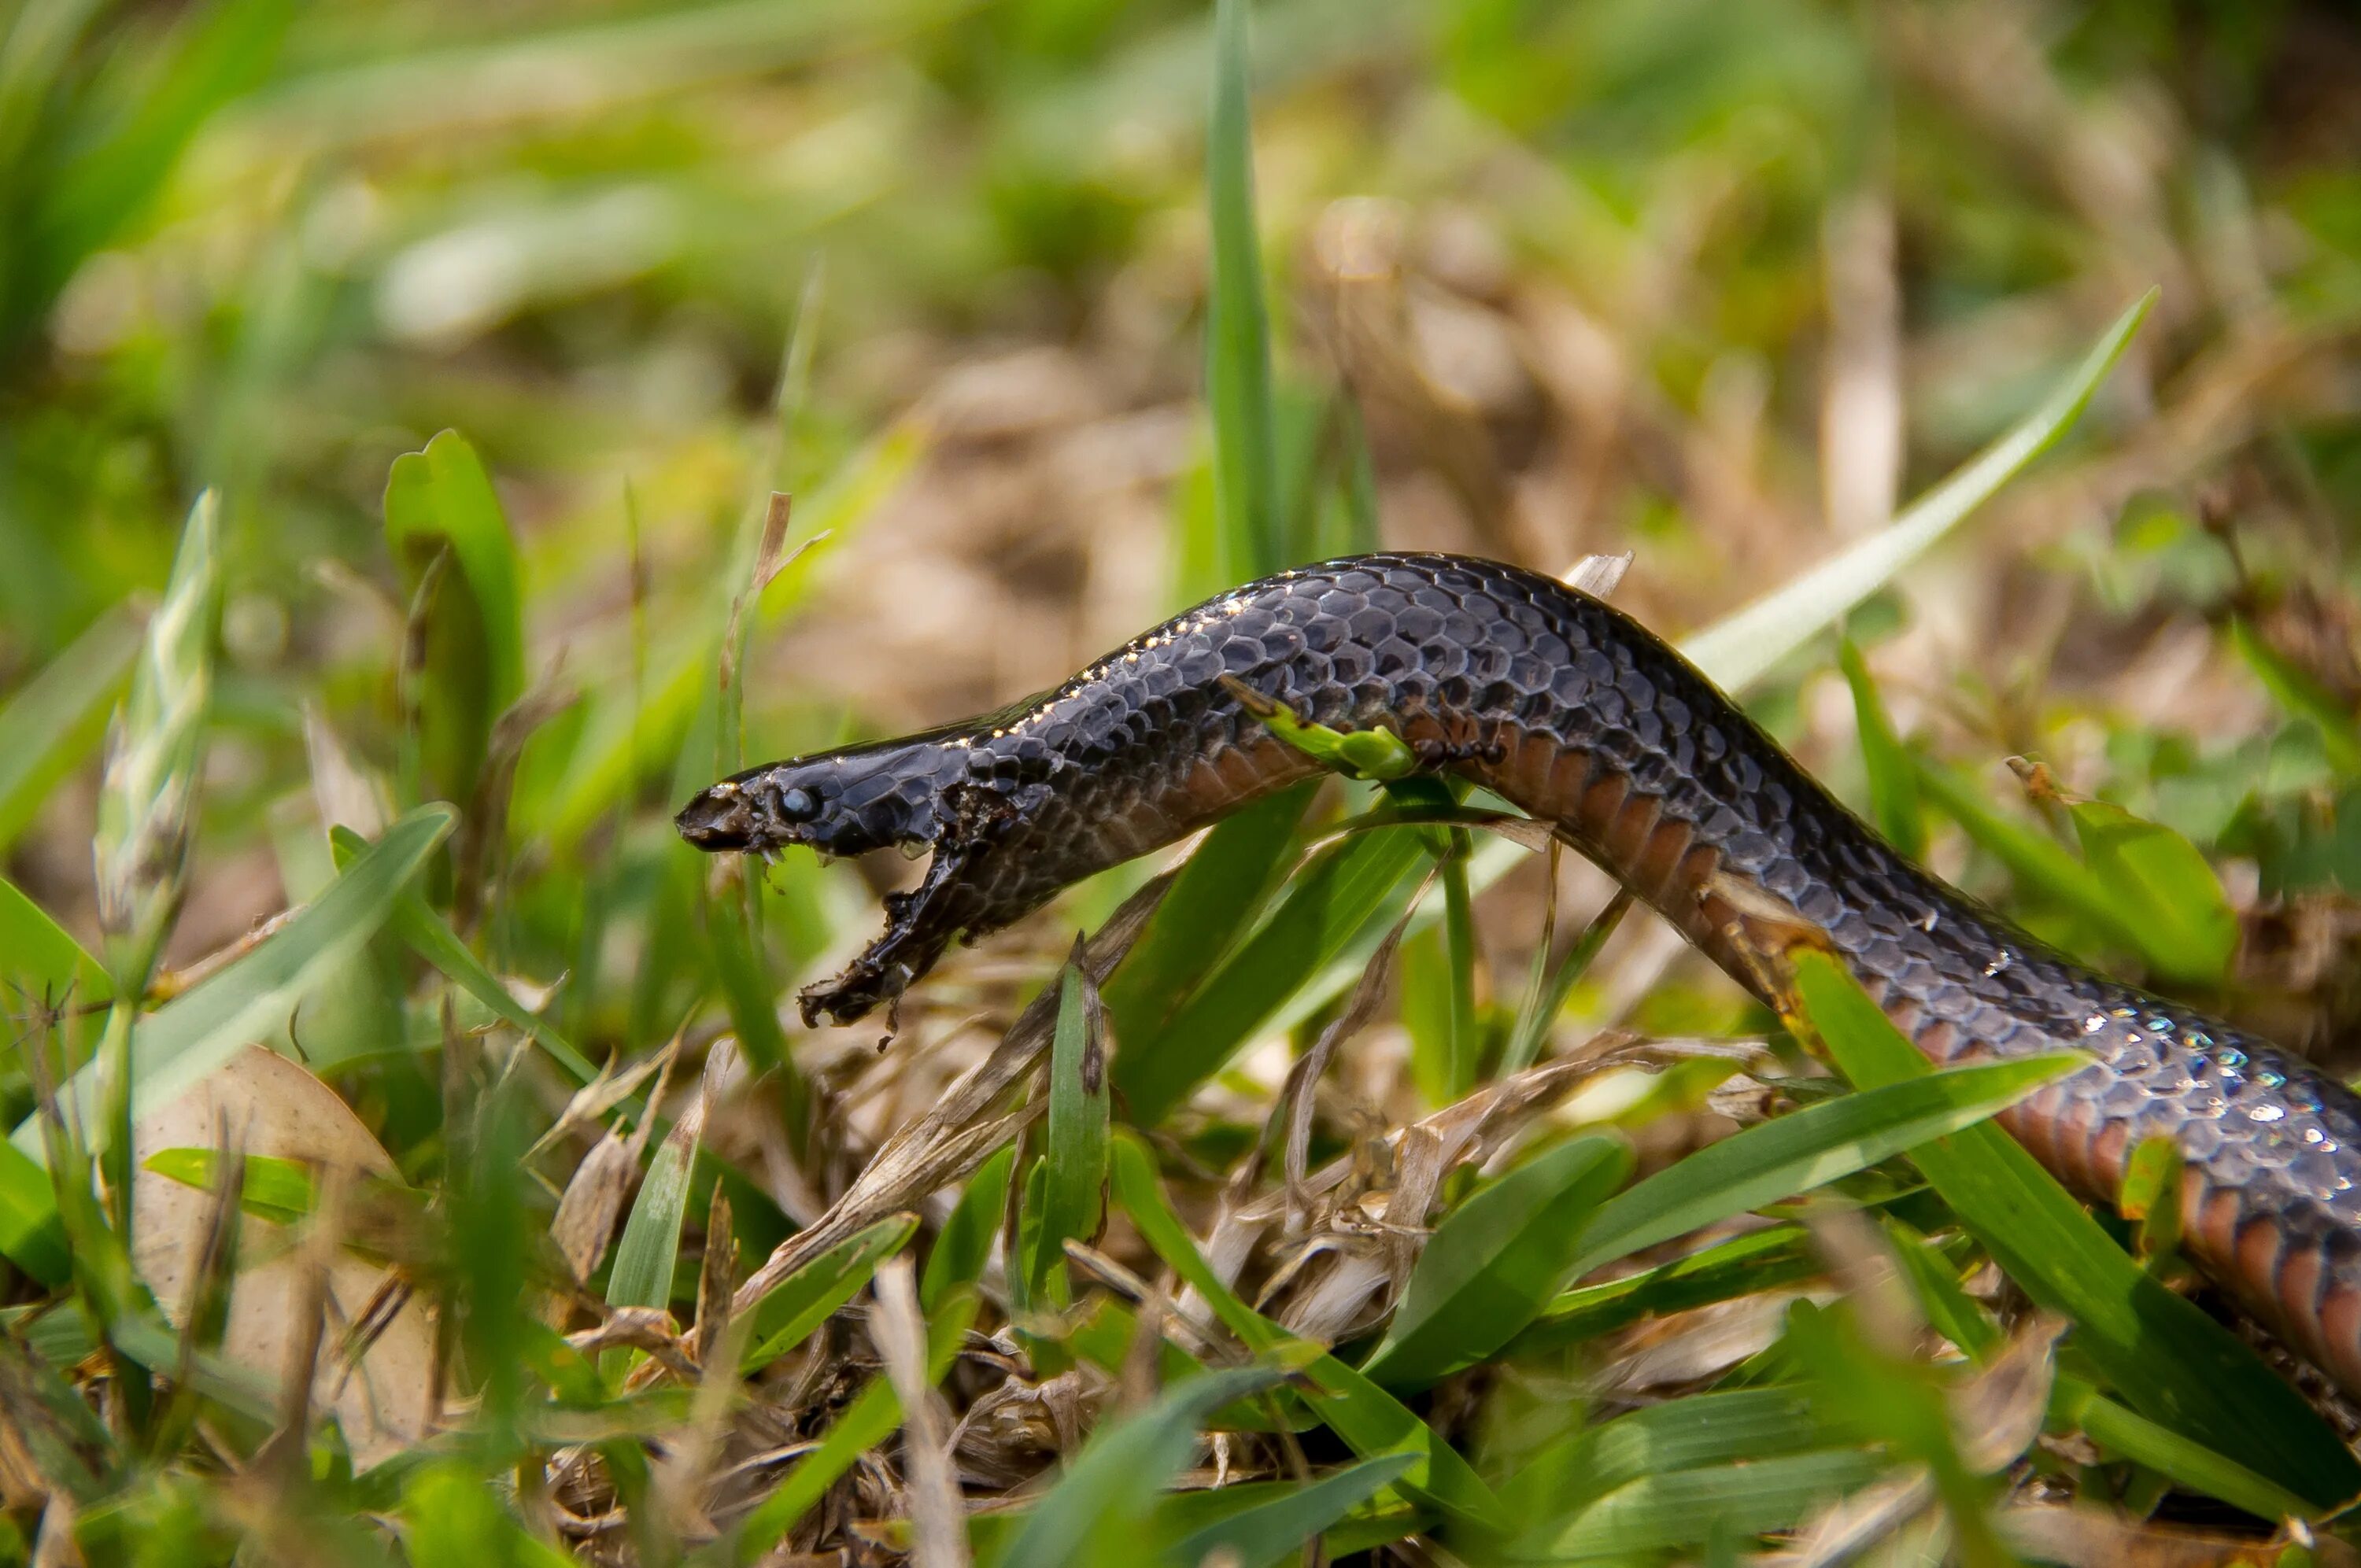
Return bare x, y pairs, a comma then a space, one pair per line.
845, 802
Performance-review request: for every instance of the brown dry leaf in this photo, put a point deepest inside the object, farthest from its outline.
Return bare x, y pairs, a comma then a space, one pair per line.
585, 1222
277, 1109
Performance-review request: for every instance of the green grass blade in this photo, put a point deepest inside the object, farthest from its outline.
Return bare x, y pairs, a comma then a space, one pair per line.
55, 719
1237, 325
1098, 1503
1682, 1507
1074, 1186
1371, 1420
649, 1252
31, 1233
1495, 1260
812, 1294
1261, 1535
1345, 890
2166, 1359
1740, 648
1744, 1266
194, 1033
1809, 1148
1893, 781
41, 957
436, 500
1694, 1433
964, 1246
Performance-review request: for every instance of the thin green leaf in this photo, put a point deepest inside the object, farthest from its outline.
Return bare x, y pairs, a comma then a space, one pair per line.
195, 1033
1743, 1265
1547, 989
1893, 781
1263, 1534
55, 719
1495, 1260
1371, 1420
2161, 885
624, 725
812, 1294
2163, 1355
1237, 325
436, 500
1740, 648
1809, 1148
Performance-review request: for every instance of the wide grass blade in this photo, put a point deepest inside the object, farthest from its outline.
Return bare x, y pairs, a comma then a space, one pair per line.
1237, 325
57, 718
41, 959
1096, 1508
2115, 891
194, 1033
649, 1252
2188, 928
2170, 1361
1494, 1261
1809, 1148
1074, 1195
1741, 647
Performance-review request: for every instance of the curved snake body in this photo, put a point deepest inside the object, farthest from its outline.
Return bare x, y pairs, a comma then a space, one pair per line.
1576, 714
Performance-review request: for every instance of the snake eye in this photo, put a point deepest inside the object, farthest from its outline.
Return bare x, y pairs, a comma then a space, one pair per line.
796, 804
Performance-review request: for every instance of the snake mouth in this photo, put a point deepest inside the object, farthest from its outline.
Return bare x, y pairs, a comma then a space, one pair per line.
720, 820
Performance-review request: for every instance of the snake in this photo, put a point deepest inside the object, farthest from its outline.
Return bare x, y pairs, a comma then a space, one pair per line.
1579, 716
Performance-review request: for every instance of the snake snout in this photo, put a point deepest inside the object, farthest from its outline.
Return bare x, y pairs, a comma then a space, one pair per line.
720, 820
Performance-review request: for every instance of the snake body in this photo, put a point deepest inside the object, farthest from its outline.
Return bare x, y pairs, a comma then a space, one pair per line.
1579, 716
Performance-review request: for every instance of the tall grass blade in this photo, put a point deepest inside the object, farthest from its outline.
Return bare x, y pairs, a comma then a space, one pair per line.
1237, 335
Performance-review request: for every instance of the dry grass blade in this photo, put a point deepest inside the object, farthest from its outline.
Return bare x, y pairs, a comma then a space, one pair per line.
937, 1521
